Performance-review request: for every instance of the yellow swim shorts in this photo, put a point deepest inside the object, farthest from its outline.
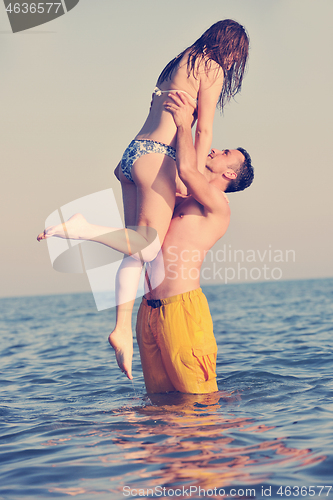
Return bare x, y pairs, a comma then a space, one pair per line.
177, 345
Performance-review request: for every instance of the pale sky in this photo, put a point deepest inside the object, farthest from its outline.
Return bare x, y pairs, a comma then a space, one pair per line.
75, 92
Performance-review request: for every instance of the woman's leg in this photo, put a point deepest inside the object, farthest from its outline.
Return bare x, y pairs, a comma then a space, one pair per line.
148, 205
141, 243
155, 178
154, 196
127, 281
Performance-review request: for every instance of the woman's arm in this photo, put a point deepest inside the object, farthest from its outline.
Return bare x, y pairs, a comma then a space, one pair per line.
210, 87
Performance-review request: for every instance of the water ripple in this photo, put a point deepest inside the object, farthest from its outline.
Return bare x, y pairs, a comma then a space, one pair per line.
72, 425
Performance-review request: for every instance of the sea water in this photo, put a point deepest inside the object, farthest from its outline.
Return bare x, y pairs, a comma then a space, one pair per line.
72, 425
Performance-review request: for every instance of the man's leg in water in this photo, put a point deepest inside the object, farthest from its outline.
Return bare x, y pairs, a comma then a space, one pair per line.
177, 344
156, 378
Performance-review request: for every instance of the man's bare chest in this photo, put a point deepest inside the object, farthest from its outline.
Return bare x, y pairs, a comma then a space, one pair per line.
187, 206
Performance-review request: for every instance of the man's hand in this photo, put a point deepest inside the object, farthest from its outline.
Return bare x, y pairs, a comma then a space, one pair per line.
182, 109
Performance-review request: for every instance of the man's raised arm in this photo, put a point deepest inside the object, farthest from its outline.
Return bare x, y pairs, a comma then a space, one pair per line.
182, 111
186, 159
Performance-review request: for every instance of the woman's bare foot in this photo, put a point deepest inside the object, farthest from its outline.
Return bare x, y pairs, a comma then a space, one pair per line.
122, 343
76, 228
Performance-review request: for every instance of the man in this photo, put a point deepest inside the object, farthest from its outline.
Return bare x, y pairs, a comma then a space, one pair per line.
174, 325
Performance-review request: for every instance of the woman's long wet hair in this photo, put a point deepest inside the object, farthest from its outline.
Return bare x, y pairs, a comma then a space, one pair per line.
226, 42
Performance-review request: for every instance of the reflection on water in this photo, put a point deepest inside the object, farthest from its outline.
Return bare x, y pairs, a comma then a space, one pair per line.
180, 440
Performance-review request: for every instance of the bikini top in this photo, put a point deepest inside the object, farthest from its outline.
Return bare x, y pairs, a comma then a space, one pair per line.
159, 92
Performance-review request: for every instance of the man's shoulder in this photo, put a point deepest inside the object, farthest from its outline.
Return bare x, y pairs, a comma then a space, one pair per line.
218, 202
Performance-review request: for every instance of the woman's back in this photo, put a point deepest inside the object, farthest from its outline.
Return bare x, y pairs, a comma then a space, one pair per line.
159, 125
211, 71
